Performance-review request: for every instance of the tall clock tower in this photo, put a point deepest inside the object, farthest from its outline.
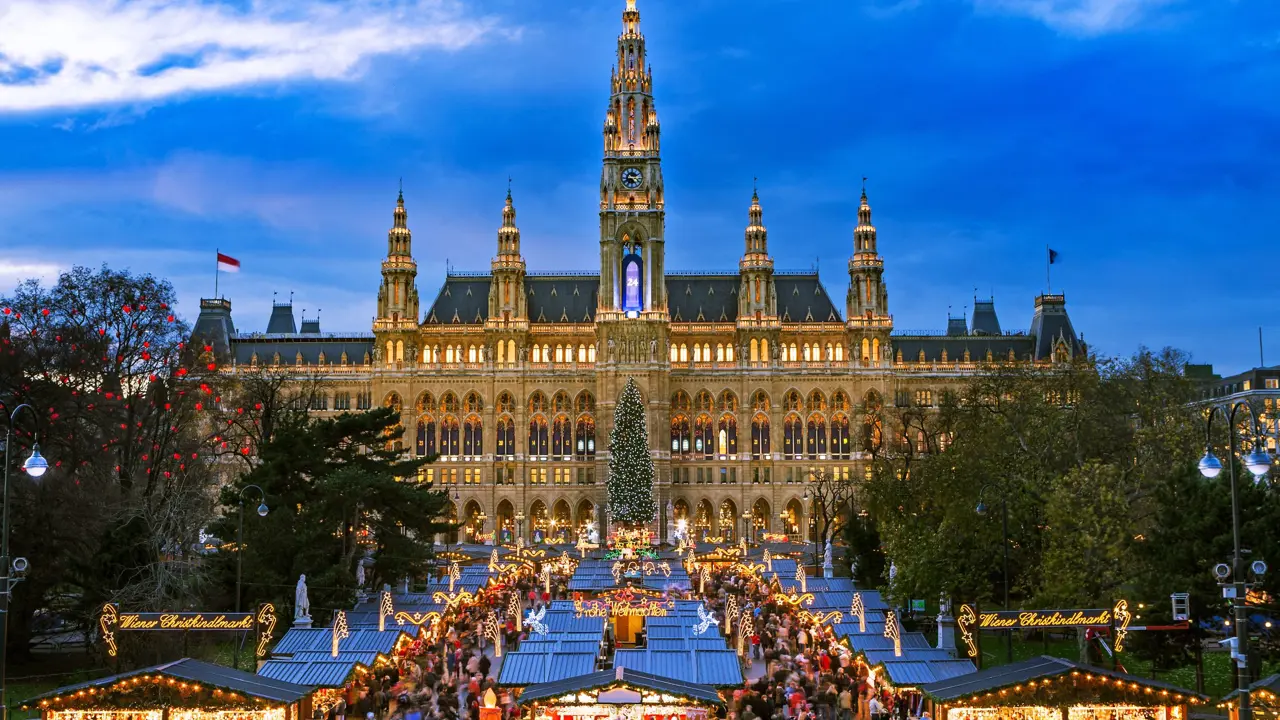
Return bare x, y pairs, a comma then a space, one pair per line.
632, 323
631, 195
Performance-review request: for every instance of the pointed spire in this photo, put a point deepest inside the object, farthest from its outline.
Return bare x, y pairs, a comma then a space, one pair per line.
864, 235
757, 237
509, 234
399, 239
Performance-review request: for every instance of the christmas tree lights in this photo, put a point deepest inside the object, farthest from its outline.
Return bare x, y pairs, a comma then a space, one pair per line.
630, 465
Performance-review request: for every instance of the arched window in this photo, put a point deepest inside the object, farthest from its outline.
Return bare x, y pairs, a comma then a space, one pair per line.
681, 442
760, 401
511, 351
537, 354
760, 437
839, 401
675, 353
805, 352
875, 350
791, 401
559, 353
502, 353
537, 403
728, 352
697, 353
506, 438
839, 352
728, 401
704, 437
584, 403
719, 352
764, 350
449, 403
727, 437
473, 437
585, 438
560, 403
591, 353
755, 350
473, 354
840, 448
684, 353
680, 401
506, 403
449, 437
817, 401
866, 350
561, 437
538, 437
425, 446
816, 437
702, 401
706, 352
792, 438
473, 403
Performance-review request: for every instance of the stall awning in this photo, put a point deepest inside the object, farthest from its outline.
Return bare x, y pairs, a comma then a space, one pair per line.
187, 670
321, 640
717, 668
318, 673
621, 678
1020, 674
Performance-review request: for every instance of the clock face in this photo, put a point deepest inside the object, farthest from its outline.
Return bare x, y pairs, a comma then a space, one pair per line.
631, 178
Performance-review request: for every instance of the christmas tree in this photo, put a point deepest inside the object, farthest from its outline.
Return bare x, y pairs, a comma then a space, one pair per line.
630, 465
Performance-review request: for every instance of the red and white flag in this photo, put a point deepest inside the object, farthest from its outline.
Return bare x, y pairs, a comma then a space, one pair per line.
226, 263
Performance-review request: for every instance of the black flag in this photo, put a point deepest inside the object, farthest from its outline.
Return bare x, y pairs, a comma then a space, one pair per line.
1053, 256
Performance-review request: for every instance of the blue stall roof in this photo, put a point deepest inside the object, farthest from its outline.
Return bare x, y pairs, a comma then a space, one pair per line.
719, 668
317, 673
530, 668
321, 639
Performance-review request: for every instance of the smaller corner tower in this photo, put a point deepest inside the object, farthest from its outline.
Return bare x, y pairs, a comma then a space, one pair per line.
396, 324
508, 318
869, 322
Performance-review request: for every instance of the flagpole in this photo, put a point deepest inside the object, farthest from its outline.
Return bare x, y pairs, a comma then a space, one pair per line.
1048, 269
217, 271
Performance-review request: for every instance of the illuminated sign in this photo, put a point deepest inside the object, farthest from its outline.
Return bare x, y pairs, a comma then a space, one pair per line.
185, 621
1030, 619
631, 274
1122, 616
111, 622
967, 621
637, 603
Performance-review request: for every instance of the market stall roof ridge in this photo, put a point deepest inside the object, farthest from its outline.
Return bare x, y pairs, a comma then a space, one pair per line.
317, 673
1019, 673
717, 668
361, 639
606, 679
532, 668
197, 671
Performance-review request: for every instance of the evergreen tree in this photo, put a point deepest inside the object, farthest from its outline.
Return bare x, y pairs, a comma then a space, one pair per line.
630, 465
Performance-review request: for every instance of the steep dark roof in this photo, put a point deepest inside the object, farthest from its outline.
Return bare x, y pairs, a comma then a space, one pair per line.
620, 677
214, 325
281, 320
1032, 669
933, 345
956, 327
984, 321
218, 676
1051, 324
691, 297
355, 345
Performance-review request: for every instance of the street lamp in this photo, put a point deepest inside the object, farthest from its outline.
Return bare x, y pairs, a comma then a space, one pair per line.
262, 512
480, 520
36, 466
520, 524
813, 526
1258, 463
746, 525
1004, 528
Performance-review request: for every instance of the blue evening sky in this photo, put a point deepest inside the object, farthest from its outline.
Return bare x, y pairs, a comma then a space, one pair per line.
1138, 138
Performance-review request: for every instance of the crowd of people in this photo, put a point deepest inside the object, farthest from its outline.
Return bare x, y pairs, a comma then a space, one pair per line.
796, 669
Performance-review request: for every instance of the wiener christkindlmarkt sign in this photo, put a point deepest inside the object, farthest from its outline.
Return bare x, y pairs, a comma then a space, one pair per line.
971, 621
112, 621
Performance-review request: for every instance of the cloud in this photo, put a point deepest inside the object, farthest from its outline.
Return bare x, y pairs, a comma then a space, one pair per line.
12, 273
1079, 17
89, 53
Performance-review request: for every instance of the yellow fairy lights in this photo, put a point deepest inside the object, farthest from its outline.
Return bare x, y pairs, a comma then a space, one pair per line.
858, 610
266, 622
892, 631
386, 608
107, 622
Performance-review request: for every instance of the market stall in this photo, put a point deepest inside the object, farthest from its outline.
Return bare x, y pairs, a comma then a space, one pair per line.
1049, 688
619, 693
181, 690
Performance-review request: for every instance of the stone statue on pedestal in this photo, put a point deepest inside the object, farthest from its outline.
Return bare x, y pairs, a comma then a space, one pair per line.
301, 604
826, 561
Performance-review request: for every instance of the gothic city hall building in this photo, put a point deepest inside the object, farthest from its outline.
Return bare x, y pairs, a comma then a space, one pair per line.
754, 379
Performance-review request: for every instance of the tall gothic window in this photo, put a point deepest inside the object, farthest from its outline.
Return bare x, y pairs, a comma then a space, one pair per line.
506, 438
760, 437
473, 437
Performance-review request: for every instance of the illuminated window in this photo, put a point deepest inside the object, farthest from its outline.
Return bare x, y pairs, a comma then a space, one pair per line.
924, 398
632, 275
1271, 383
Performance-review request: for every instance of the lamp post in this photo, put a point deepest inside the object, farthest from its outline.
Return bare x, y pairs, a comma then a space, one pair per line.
1004, 528
262, 512
520, 524
35, 465
480, 520
813, 526
1259, 463
782, 520
746, 526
